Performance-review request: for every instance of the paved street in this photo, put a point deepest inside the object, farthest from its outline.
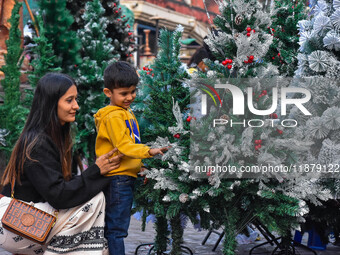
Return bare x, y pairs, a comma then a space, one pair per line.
194, 238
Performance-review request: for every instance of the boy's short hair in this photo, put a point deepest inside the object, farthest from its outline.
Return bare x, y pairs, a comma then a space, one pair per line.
120, 75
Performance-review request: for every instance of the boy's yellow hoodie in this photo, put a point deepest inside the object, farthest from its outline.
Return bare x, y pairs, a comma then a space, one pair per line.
118, 128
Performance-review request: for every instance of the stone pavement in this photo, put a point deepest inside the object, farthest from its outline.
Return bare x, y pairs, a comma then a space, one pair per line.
193, 239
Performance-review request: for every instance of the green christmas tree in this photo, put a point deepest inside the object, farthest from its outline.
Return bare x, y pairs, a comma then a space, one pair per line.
163, 93
233, 199
77, 9
285, 46
42, 62
98, 50
66, 44
12, 113
119, 27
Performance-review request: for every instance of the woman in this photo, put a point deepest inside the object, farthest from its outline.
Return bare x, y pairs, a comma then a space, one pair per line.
41, 165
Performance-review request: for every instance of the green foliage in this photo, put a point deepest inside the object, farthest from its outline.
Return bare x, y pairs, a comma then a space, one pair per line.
161, 86
119, 29
98, 50
12, 114
66, 45
119, 24
42, 63
285, 46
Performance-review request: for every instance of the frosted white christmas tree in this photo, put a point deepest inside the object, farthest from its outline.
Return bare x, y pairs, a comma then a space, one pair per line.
319, 70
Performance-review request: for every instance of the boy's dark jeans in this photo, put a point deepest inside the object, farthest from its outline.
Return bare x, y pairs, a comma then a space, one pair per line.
119, 198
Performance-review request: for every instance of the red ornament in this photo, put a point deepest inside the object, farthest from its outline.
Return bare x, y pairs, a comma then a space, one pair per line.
189, 119
114, 4
145, 180
224, 62
150, 69
279, 54
147, 69
273, 57
229, 61
116, 11
246, 61
120, 8
177, 136
118, 19
273, 116
130, 33
147, 72
280, 131
153, 75
254, 30
264, 92
128, 25
144, 68
251, 57
229, 66
248, 29
130, 55
248, 34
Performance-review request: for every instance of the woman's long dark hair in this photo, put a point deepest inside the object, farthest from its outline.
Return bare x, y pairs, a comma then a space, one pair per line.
43, 120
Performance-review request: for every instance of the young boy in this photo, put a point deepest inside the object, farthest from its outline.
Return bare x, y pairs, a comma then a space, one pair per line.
117, 127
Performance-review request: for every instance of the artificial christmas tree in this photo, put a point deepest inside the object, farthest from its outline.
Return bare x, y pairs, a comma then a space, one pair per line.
318, 71
66, 45
163, 92
230, 135
98, 50
284, 49
42, 62
119, 29
12, 113
77, 9
119, 26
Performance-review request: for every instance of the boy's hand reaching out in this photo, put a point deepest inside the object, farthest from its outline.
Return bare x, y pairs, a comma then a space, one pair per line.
156, 151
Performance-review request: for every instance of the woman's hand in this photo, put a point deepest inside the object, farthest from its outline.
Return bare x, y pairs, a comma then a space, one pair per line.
107, 164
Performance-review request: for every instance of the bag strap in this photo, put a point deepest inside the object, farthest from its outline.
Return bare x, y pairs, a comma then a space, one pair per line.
12, 186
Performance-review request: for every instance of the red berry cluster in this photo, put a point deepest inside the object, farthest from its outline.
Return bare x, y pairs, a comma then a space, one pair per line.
177, 136
190, 118
226, 62
279, 131
279, 57
258, 144
249, 30
264, 92
250, 60
148, 70
273, 116
271, 31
